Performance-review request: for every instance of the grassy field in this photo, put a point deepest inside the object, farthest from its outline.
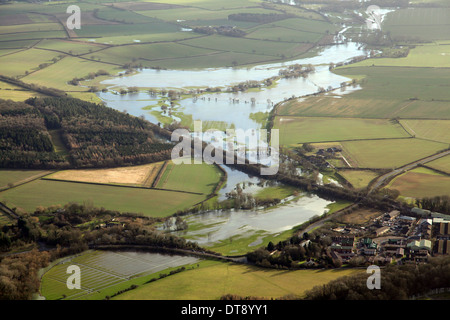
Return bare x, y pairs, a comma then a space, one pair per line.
28, 60
148, 202
442, 164
387, 92
420, 183
152, 52
69, 46
16, 93
270, 49
298, 130
358, 178
201, 178
388, 153
228, 278
435, 55
57, 75
16, 176
418, 24
436, 130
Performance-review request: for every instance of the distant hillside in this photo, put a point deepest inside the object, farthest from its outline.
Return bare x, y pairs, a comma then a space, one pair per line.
60, 132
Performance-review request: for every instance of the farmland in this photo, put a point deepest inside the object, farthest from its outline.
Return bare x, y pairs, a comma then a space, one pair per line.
421, 183
136, 175
13, 177
389, 153
442, 164
203, 178
387, 92
149, 202
390, 112
298, 130
125, 189
146, 34
418, 24
358, 178
435, 130
241, 280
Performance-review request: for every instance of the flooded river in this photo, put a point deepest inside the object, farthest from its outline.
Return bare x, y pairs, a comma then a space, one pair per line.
215, 226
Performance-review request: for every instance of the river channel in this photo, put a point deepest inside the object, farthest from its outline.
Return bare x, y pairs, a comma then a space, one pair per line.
216, 226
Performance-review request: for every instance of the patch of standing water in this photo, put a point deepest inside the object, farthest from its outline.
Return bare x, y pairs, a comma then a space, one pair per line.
231, 108
222, 225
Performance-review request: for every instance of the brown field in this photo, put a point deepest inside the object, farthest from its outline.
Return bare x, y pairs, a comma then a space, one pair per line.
360, 216
135, 175
419, 184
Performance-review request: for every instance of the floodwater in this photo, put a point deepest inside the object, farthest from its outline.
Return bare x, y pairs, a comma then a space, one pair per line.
234, 109
222, 225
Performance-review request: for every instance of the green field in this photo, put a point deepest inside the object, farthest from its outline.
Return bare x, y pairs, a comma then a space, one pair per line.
201, 178
442, 164
152, 52
390, 153
418, 24
420, 183
57, 75
69, 46
436, 130
387, 92
243, 280
28, 60
16, 93
155, 203
424, 55
298, 130
358, 178
15, 176
270, 49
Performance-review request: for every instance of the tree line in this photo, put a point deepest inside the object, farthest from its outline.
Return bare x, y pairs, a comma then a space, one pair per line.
439, 204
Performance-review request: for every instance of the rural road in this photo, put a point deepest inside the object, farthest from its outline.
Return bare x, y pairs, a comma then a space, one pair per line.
388, 176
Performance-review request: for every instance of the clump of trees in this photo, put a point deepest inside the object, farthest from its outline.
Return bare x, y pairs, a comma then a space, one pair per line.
290, 253
436, 204
223, 30
19, 274
398, 282
296, 71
